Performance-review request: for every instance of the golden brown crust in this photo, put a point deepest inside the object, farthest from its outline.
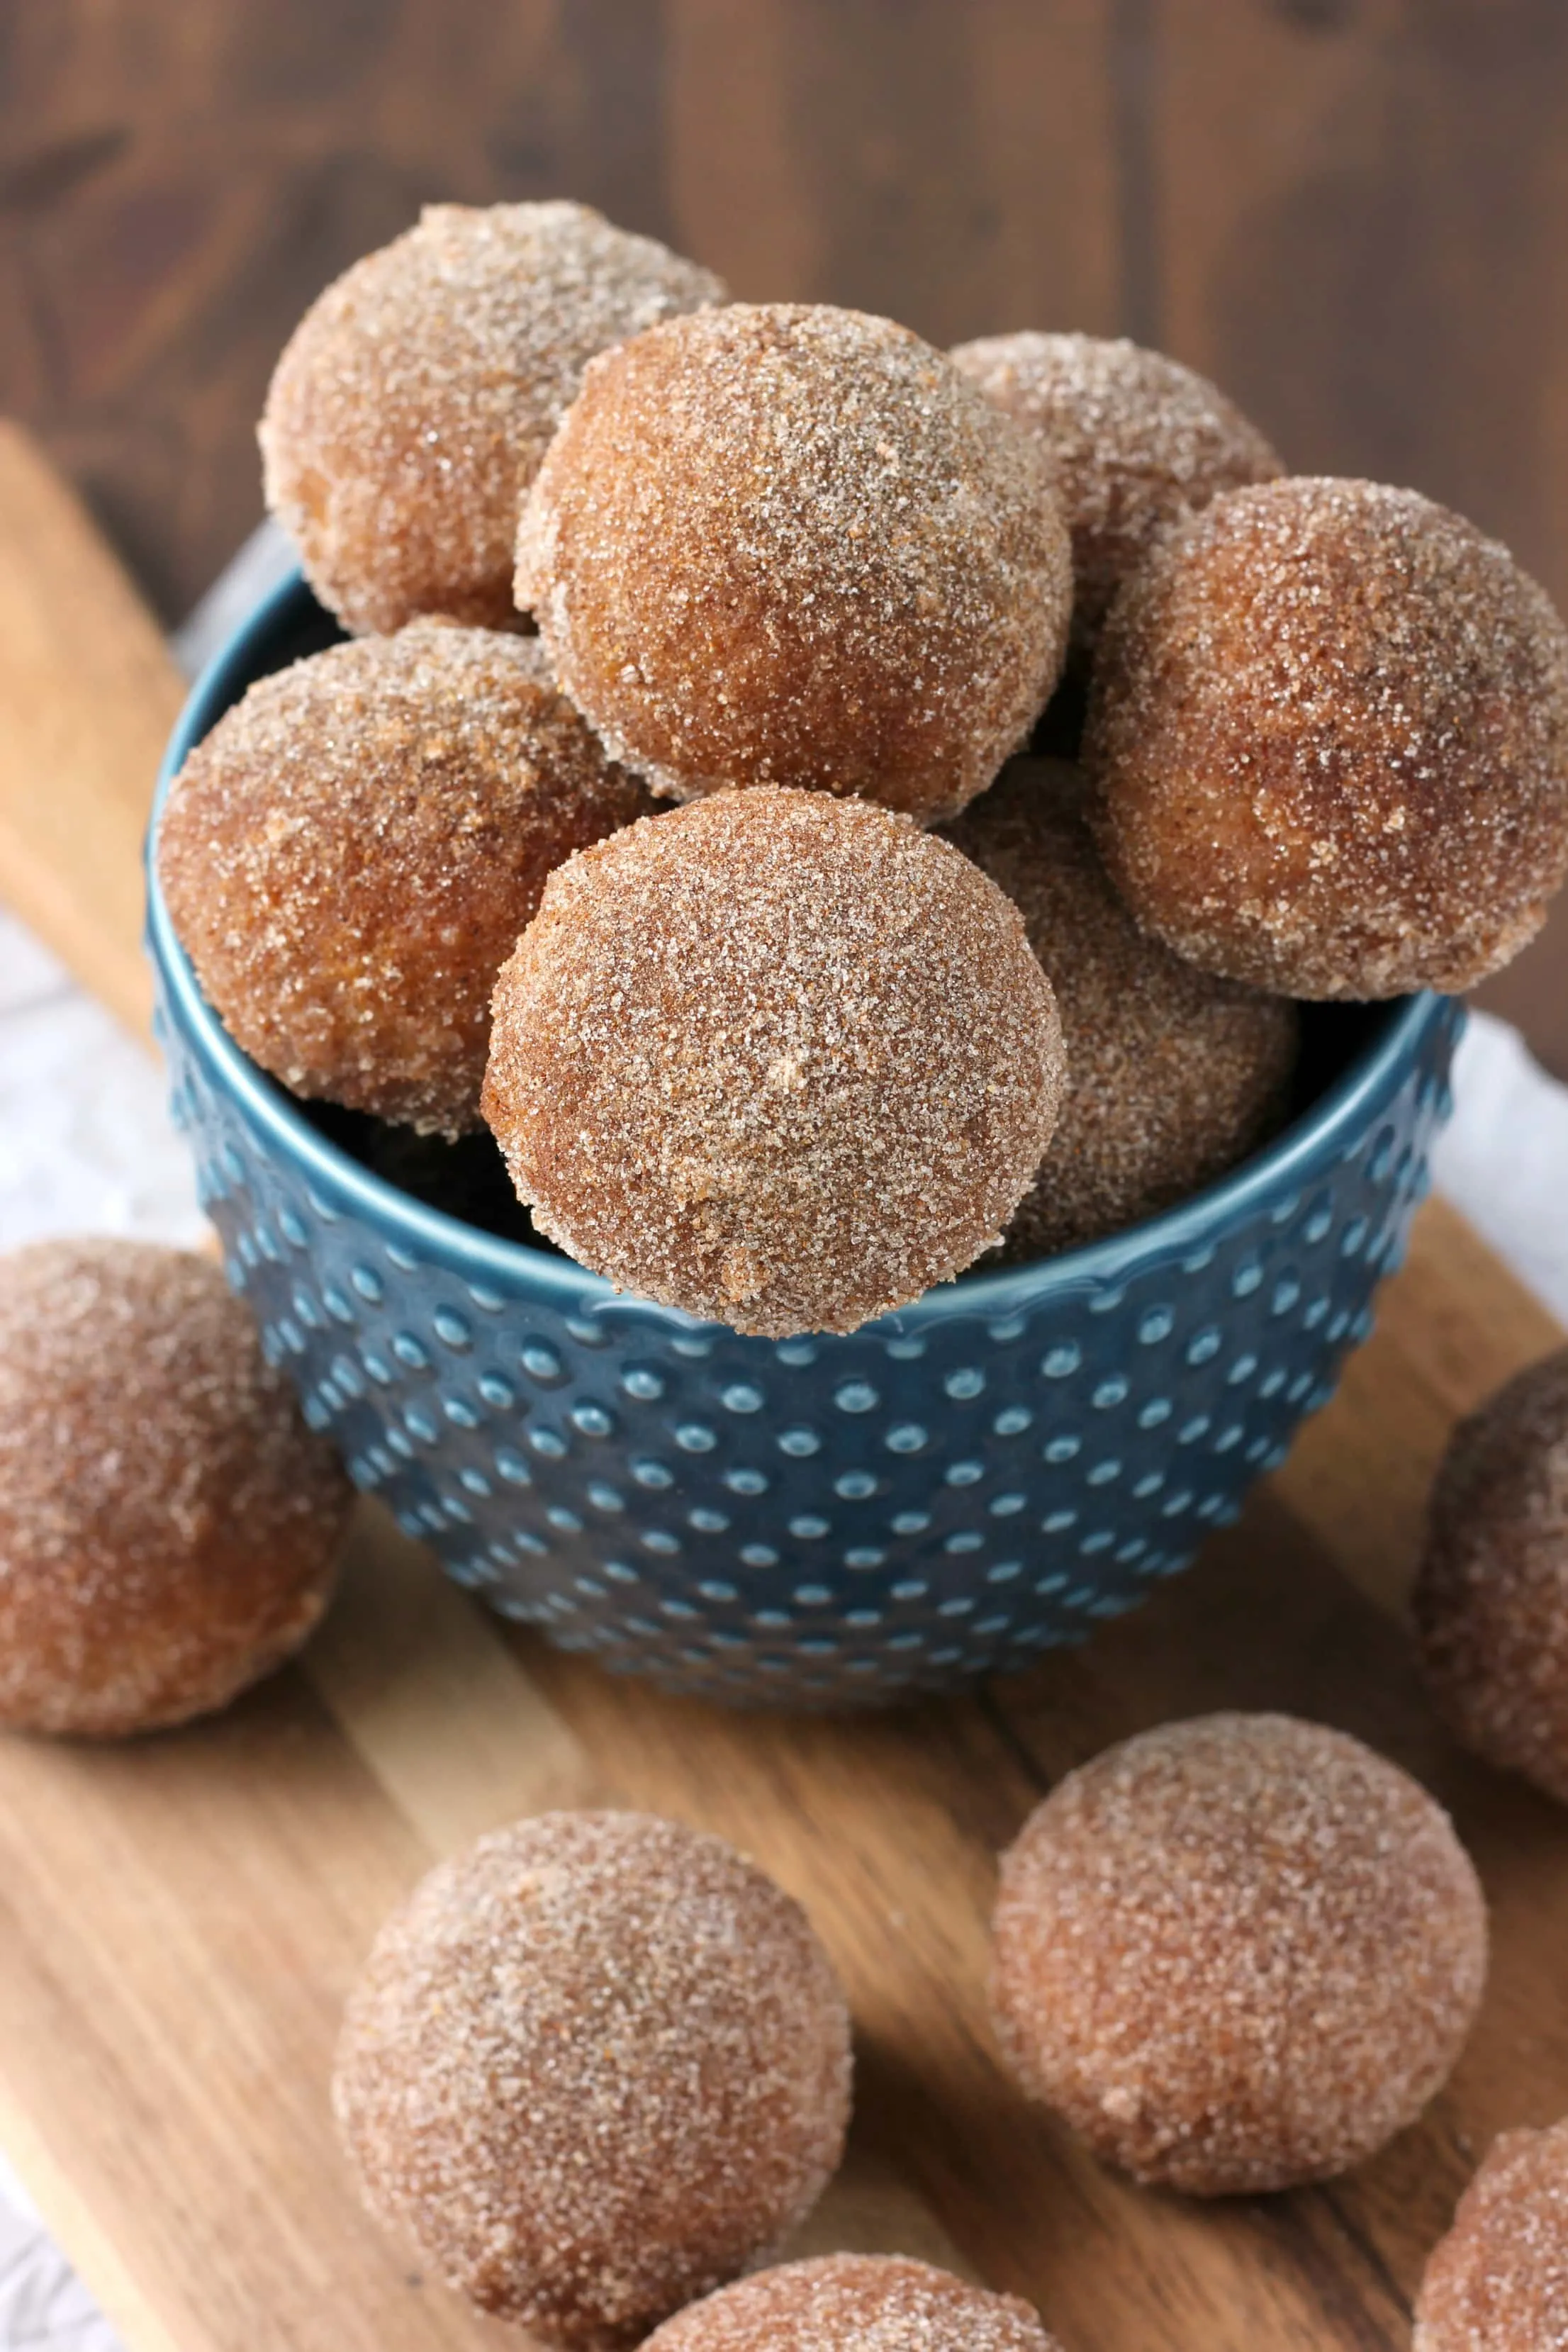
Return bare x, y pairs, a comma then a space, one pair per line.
594, 2065
168, 1524
1135, 441
1499, 2281
350, 855
1236, 1953
1173, 1075
789, 544
775, 1058
855, 2303
1328, 722
414, 401
1491, 1595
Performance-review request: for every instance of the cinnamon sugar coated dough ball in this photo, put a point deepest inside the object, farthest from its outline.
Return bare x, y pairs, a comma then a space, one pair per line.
1236, 1953
774, 1058
1499, 2281
1172, 1075
593, 2066
789, 544
1135, 440
853, 2302
1491, 1595
168, 1524
354, 851
416, 398
1330, 724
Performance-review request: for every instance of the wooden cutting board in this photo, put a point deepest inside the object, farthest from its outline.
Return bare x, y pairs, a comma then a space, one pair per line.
180, 1918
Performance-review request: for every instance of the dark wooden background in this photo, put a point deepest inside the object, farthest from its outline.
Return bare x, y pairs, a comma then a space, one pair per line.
1354, 214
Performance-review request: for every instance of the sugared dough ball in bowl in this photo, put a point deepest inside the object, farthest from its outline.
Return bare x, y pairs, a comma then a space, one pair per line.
595, 2065
1135, 440
791, 544
168, 1524
779, 1059
1173, 1075
350, 855
853, 2302
1499, 2281
1492, 1594
1236, 1953
414, 401
1328, 724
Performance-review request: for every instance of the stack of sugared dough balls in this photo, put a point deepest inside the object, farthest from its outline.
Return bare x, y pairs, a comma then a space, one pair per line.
883, 994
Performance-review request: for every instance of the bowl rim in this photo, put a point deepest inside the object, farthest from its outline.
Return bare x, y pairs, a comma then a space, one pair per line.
1304, 1150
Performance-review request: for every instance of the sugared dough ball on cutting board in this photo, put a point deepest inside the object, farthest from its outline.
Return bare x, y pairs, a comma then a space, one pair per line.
1236, 1953
789, 544
1491, 1595
595, 2065
853, 2302
414, 401
1328, 722
1173, 1075
168, 1524
1499, 2281
1134, 440
354, 851
775, 1058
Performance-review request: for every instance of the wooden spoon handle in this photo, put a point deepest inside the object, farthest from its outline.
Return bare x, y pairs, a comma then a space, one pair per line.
87, 695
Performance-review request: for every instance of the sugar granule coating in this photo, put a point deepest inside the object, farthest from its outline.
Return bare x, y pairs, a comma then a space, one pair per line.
853, 2302
775, 1058
1329, 721
350, 855
1499, 2281
414, 401
1491, 1595
595, 2065
1135, 441
168, 1524
1173, 1076
789, 544
1236, 1953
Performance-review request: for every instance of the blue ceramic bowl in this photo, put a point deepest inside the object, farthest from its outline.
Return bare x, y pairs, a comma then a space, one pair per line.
949, 1491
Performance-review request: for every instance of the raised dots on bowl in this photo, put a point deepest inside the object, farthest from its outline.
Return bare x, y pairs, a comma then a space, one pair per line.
660, 1539
1012, 1421
592, 1418
799, 1444
757, 1555
813, 1596
549, 1443
649, 1471
420, 1425
336, 1305
744, 1480
965, 1382
966, 1540
1204, 1346
451, 1328
488, 1300
1104, 1472
459, 1413
856, 1396
541, 1363
1007, 1507
695, 1346
1059, 1363
742, 1396
603, 1498
1058, 1450
1156, 1324
497, 1391
410, 1351
566, 1522
707, 1521
1109, 1392
864, 1557
510, 1466
796, 1353
906, 1437
963, 1474
909, 1523
1057, 1523
807, 1526
856, 1485
1247, 1279
647, 1386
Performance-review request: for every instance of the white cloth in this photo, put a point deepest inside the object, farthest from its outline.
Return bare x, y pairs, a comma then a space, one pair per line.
86, 1145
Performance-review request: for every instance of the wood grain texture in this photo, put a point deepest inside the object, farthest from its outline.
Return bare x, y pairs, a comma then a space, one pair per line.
89, 695
180, 1918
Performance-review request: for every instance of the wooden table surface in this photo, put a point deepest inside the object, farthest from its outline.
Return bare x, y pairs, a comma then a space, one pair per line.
1349, 212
